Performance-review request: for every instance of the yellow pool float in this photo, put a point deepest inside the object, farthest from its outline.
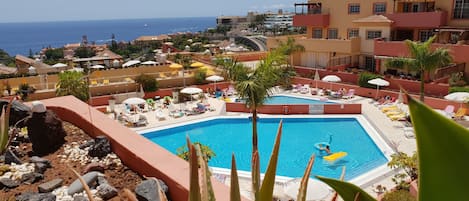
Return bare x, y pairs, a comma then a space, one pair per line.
335, 156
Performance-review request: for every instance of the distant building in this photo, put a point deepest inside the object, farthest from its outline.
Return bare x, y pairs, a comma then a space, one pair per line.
231, 21
147, 40
105, 57
24, 64
7, 70
278, 21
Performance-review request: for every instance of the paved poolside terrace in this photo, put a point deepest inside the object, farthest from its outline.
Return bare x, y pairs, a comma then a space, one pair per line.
392, 132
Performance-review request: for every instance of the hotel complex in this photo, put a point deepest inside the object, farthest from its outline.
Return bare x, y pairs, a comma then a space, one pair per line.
364, 33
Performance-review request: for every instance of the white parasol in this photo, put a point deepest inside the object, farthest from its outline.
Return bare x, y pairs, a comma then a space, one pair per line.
59, 65
150, 63
379, 83
97, 66
215, 79
191, 90
460, 97
134, 101
316, 78
331, 79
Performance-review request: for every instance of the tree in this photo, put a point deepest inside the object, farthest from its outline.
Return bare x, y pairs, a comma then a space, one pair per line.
73, 83
148, 82
84, 52
424, 60
54, 54
289, 48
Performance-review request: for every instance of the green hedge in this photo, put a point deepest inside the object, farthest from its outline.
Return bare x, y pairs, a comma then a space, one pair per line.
400, 195
458, 89
364, 77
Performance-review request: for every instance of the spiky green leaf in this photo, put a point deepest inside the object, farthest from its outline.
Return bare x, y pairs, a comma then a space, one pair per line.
304, 181
206, 189
235, 194
442, 147
267, 188
194, 189
4, 128
347, 191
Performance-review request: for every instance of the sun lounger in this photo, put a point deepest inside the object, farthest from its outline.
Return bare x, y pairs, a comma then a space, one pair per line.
105, 82
460, 114
389, 108
350, 94
160, 115
398, 117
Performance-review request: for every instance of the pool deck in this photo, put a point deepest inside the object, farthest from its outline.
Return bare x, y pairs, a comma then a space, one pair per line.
391, 131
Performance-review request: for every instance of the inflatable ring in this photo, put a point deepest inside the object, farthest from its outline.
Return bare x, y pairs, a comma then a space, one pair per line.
321, 144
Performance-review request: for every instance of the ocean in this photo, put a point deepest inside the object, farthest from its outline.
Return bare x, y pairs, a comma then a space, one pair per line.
19, 38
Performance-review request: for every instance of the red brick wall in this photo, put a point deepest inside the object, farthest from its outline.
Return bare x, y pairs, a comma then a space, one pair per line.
296, 109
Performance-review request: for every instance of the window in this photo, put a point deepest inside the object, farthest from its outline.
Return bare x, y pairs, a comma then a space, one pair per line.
461, 9
424, 35
317, 33
370, 64
373, 34
352, 33
353, 8
379, 8
332, 34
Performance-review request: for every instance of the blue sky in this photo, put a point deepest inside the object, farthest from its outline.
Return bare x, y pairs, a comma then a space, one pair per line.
66, 10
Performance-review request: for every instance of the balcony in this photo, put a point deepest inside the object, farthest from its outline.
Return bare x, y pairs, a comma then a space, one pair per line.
418, 19
399, 49
321, 45
307, 20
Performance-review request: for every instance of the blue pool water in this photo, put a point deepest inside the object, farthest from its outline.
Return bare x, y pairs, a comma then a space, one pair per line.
226, 136
293, 100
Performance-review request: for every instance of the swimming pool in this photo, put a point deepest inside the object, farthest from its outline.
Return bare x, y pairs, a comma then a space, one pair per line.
227, 135
283, 99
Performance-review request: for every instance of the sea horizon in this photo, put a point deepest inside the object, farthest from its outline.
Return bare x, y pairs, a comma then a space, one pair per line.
20, 37
94, 20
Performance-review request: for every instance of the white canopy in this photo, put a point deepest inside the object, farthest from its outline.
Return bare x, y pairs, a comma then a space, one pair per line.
331, 78
215, 78
97, 66
76, 69
378, 82
134, 101
149, 63
460, 97
130, 63
58, 65
316, 190
191, 90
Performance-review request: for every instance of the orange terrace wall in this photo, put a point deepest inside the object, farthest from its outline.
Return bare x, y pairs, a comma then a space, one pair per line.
297, 109
138, 153
412, 86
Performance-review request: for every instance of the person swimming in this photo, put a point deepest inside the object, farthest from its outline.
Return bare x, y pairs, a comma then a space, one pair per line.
326, 148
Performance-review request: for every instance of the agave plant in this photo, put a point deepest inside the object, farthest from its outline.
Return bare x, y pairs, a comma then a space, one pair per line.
5, 128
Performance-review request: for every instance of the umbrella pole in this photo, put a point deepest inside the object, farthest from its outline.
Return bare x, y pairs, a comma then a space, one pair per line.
377, 91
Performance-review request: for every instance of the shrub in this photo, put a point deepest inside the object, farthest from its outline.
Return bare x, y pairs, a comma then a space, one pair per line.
148, 82
399, 195
365, 77
200, 76
183, 152
457, 79
458, 89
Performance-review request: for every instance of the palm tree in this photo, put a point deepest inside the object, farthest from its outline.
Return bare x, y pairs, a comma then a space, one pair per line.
424, 60
289, 48
73, 83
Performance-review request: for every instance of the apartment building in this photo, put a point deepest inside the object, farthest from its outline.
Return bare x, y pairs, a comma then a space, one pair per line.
363, 33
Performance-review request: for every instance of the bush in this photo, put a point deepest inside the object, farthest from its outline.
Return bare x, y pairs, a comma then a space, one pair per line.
399, 195
457, 79
365, 77
148, 82
458, 89
183, 152
200, 76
